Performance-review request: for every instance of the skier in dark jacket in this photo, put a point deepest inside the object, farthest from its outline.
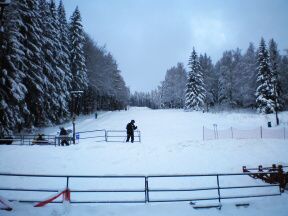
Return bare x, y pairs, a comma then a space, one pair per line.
63, 136
130, 131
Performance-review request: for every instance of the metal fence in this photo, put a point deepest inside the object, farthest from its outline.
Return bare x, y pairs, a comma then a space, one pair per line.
135, 189
120, 136
31, 140
235, 133
93, 136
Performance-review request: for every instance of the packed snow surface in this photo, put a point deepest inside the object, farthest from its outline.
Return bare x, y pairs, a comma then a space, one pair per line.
171, 143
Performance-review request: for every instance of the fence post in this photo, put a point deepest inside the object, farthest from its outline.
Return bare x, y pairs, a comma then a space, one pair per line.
218, 188
146, 190
231, 132
105, 135
140, 136
67, 182
203, 132
261, 132
284, 133
215, 131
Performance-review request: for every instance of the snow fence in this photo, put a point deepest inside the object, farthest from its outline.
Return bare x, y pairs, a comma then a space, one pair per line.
45, 189
235, 133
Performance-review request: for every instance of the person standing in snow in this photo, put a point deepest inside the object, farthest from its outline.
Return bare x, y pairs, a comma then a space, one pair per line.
130, 131
64, 136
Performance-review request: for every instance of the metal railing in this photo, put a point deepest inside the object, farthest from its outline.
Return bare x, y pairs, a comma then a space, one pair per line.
93, 135
30, 140
120, 136
216, 191
134, 189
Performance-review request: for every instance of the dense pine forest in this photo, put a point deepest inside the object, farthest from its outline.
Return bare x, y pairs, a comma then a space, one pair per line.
44, 59
257, 78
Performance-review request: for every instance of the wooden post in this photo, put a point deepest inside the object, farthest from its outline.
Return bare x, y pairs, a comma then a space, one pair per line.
261, 132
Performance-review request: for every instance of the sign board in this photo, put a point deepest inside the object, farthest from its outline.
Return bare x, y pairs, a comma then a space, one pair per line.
77, 136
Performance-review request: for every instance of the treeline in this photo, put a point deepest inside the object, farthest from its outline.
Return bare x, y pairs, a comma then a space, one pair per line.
44, 58
253, 79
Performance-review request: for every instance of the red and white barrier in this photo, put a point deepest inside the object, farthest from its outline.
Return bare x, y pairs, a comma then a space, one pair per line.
66, 198
234, 133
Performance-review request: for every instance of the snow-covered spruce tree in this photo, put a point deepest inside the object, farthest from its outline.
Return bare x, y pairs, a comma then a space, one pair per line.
264, 91
35, 80
274, 58
283, 77
229, 67
64, 63
173, 87
63, 74
77, 57
12, 90
246, 84
195, 90
56, 92
210, 80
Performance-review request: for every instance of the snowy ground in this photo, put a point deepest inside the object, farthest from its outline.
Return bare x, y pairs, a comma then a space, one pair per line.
172, 143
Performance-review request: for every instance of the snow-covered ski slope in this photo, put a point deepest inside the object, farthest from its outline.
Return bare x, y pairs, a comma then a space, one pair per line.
172, 143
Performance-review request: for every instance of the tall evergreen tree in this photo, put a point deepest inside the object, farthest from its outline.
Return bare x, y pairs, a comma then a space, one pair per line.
35, 80
283, 77
195, 90
210, 79
274, 67
13, 92
246, 82
230, 66
225, 78
64, 63
173, 87
78, 65
59, 103
264, 91
56, 91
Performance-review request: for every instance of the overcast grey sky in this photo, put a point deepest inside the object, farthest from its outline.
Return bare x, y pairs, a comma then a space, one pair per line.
147, 37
